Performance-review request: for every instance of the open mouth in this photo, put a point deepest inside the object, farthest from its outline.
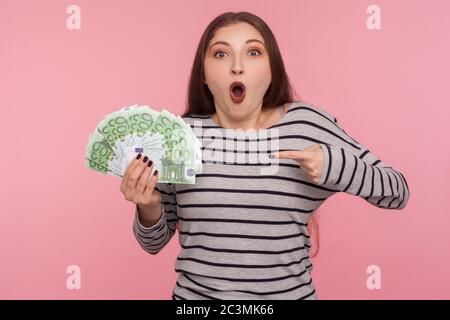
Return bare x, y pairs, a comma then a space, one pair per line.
237, 91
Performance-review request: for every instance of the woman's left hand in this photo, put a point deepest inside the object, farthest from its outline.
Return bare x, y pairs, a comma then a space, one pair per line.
311, 160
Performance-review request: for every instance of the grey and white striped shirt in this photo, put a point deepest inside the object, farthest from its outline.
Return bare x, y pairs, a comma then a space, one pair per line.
243, 224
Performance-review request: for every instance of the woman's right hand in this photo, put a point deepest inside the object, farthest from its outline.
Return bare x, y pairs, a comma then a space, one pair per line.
137, 185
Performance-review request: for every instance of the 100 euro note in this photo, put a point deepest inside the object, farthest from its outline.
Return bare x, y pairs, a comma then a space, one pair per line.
179, 163
167, 140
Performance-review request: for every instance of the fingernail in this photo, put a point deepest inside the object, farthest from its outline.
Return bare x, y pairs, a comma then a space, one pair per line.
150, 163
139, 156
271, 156
155, 173
145, 159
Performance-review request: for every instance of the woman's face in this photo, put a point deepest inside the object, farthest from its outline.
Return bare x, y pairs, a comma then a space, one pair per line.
244, 60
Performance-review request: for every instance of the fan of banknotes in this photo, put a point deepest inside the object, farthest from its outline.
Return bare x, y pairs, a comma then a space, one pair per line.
165, 138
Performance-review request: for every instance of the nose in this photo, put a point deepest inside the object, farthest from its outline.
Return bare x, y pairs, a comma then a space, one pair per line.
237, 67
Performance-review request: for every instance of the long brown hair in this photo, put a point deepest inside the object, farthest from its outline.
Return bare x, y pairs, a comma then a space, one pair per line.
200, 100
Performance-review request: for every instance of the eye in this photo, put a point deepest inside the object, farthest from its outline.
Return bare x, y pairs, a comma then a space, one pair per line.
215, 55
256, 51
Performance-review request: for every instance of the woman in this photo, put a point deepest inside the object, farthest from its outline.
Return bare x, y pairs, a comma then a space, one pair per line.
244, 224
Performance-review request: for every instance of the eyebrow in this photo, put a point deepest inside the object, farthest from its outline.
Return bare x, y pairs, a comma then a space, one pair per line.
227, 44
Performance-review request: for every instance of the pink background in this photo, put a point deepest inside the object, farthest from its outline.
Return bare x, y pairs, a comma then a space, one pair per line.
389, 88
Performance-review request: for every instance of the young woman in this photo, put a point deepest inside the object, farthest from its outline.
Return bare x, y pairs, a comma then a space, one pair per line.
244, 225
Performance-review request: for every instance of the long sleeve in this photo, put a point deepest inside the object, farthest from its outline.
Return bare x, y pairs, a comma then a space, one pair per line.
153, 239
350, 167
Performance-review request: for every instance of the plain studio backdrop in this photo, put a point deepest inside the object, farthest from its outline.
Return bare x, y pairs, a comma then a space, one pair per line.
388, 86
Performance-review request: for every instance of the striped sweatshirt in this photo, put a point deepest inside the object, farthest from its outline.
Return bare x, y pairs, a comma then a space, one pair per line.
243, 224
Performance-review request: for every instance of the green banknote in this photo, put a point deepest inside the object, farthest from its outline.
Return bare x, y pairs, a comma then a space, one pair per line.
165, 138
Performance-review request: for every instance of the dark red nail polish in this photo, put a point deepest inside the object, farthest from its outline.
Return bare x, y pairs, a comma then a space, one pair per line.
145, 159
139, 156
155, 173
150, 163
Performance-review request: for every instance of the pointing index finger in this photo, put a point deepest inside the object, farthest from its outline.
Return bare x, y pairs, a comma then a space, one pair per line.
289, 154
